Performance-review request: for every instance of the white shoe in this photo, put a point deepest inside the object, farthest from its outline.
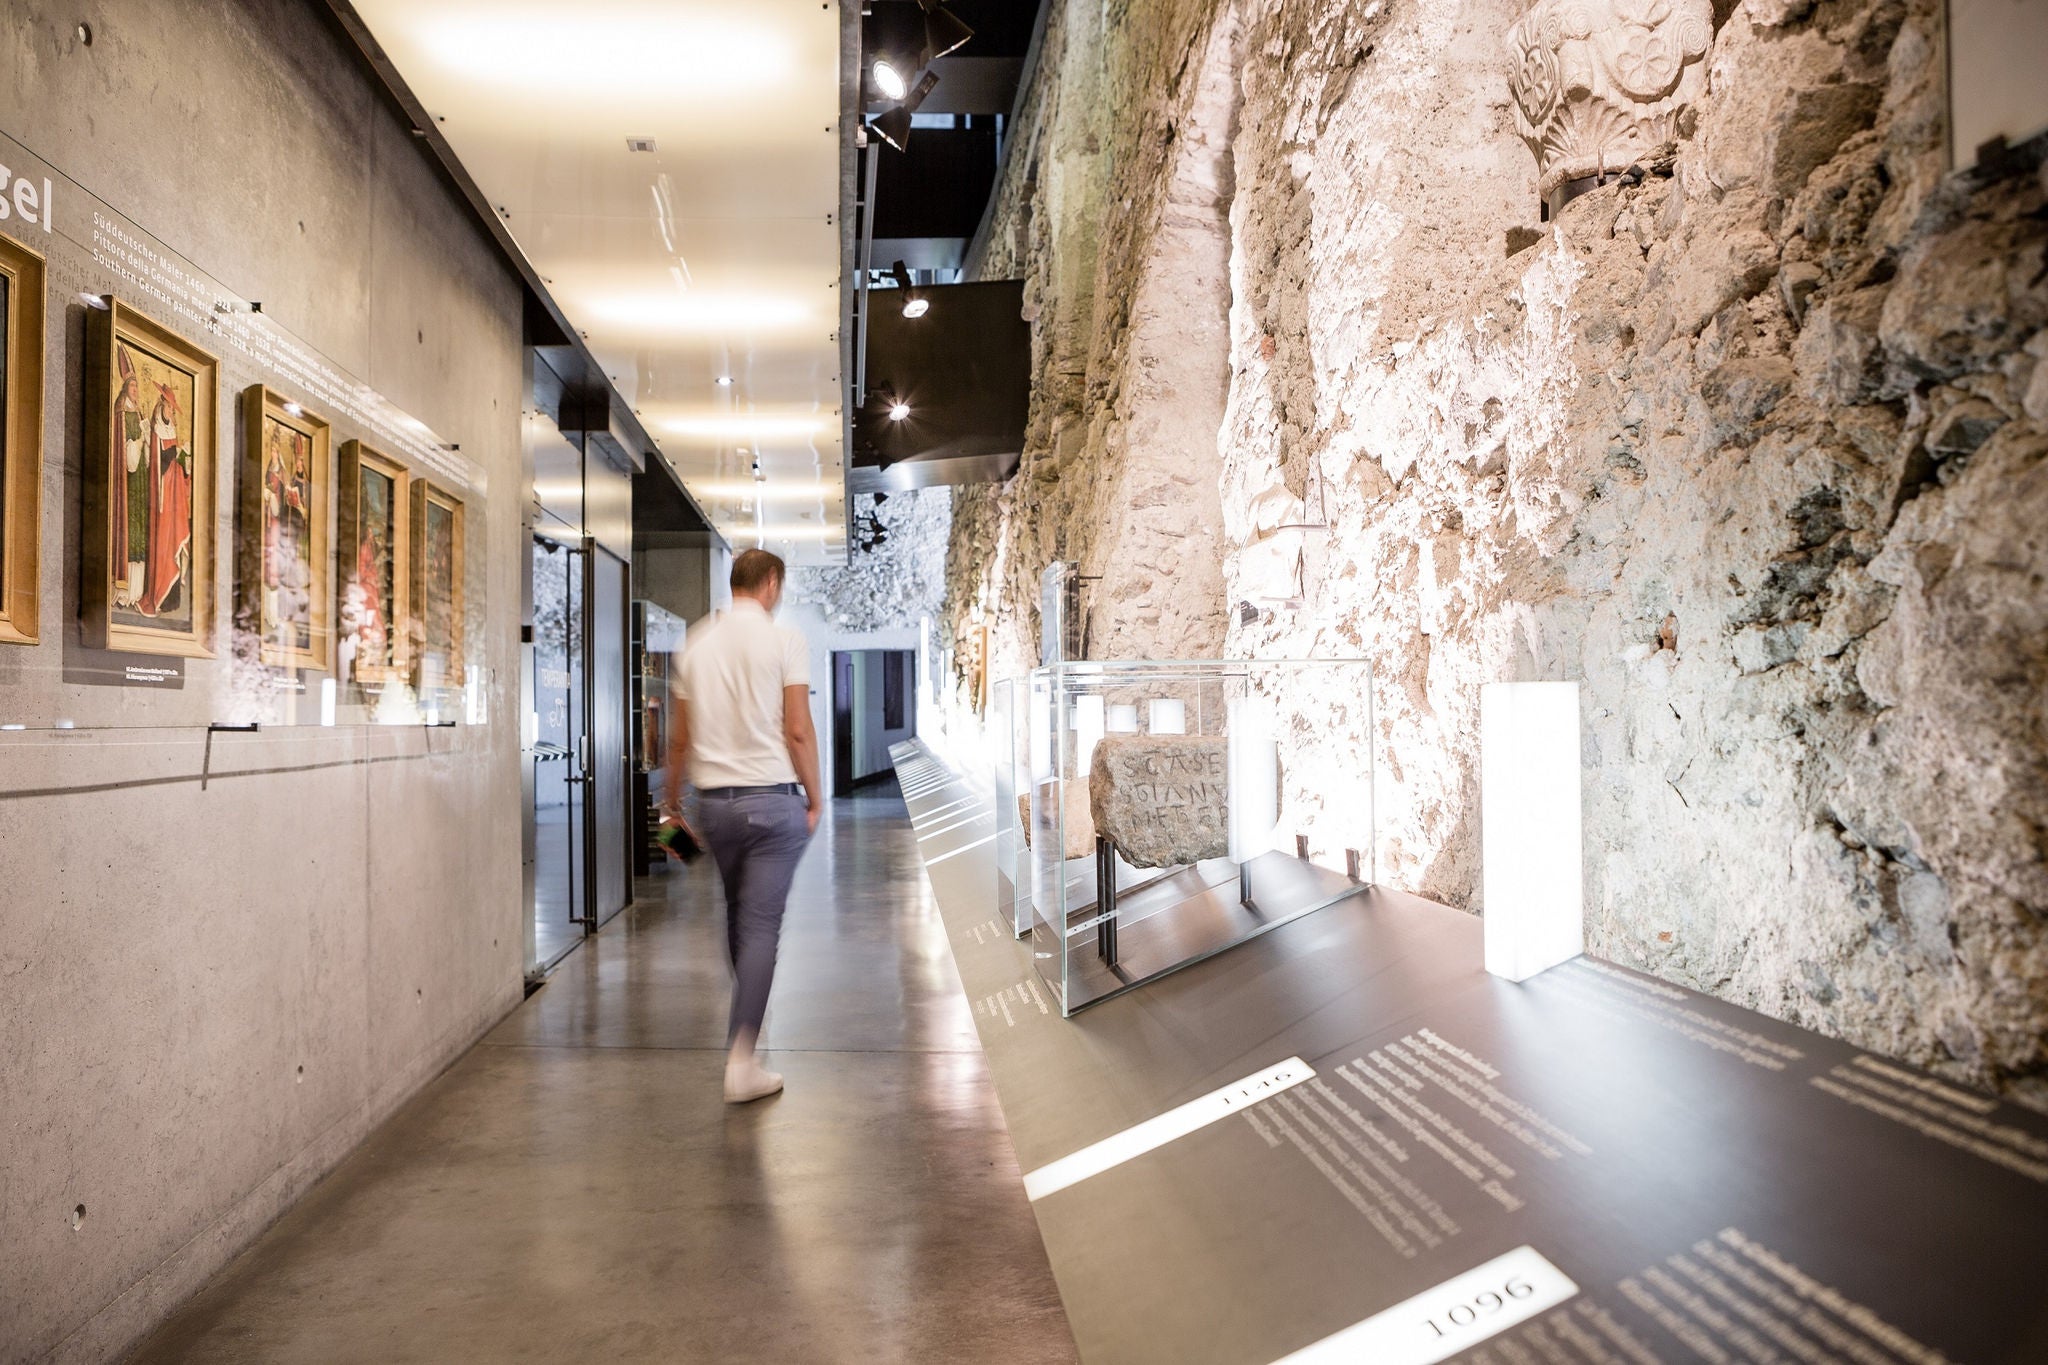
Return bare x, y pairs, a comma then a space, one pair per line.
749, 1081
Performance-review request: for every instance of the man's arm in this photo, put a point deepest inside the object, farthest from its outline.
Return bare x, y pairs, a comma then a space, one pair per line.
678, 753
802, 739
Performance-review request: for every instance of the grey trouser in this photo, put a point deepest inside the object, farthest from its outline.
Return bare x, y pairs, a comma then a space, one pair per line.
757, 841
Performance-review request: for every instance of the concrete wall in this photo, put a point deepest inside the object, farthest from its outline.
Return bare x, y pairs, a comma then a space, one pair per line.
213, 989
1753, 443
677, 578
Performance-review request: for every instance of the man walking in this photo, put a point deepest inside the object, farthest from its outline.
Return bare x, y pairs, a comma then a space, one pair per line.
743, 738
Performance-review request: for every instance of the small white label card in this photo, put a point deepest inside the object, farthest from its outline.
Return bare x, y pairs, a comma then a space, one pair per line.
1456, 1315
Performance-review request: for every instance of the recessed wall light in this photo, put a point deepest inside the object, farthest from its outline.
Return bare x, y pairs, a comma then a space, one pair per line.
553, 49
698, 312
743, 426
723, 381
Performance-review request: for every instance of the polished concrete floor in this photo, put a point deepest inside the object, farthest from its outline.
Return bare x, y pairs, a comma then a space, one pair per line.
557, 866
576, 1190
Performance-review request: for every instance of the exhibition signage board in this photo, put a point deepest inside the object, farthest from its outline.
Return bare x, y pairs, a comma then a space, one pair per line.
1592, 1165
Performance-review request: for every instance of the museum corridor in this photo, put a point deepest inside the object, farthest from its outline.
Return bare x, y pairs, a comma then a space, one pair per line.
575, 1190
1419, 630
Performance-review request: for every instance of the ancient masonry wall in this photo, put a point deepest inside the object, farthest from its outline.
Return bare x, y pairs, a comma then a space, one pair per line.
1749, 441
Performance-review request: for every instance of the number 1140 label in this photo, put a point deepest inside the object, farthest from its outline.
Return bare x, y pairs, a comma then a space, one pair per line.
1457, 1314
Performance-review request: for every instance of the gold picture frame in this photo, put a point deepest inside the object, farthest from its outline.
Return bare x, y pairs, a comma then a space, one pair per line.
151, 478
437, 552
284, 566
22, 338
373, 535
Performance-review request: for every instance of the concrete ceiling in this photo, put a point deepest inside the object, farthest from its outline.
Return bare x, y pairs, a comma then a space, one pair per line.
703, 269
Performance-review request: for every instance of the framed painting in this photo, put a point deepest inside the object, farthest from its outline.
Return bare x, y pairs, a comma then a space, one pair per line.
21, 440
373, 530
150, 477
437, 585
284, 567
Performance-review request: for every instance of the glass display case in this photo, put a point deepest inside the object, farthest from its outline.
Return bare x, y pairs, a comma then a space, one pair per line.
1179, 808
1009, 728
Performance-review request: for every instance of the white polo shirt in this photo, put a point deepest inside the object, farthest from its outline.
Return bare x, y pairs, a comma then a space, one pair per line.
731, 676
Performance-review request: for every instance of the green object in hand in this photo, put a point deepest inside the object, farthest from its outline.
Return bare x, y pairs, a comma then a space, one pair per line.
678, 840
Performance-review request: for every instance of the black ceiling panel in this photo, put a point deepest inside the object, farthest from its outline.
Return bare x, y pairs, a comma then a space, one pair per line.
974, 85
964, 369
939, 186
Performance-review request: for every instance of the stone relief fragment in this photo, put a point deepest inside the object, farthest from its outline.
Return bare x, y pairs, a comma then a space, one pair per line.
1598, 84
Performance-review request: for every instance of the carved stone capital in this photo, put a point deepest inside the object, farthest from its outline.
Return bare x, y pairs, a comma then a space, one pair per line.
1598, 84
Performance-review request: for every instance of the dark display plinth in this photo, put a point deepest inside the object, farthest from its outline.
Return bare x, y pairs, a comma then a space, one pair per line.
1690, 1180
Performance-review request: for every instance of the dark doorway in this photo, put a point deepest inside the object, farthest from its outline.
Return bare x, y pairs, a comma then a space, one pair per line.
874, 705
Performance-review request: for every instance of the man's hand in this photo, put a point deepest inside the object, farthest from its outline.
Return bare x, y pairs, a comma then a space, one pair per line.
802, 739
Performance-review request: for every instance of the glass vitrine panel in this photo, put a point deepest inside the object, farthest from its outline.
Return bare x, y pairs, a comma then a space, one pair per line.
1177, 809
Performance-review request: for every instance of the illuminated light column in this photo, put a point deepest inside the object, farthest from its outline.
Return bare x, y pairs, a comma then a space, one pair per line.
1253, 766
1532, 879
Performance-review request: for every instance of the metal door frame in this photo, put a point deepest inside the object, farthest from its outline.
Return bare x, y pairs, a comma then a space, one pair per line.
576, 726
591, 919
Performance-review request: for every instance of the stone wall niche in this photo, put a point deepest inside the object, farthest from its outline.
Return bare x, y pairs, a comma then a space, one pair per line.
1601, 84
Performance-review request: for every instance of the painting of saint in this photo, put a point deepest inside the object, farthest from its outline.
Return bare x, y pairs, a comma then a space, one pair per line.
152, 491
376, 559
21, 438
437, 598
149, 587
284, 566
376, 547
287, 537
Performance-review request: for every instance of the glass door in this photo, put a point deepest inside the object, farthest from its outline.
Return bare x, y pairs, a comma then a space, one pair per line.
560, 749
607, 748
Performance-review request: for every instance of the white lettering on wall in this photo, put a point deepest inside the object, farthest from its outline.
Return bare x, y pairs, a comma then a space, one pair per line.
21, 199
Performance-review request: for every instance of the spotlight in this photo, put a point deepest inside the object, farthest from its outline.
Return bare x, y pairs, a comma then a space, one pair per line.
889, 80
723, 381
943, 31
915, 304
894, 126
898, 410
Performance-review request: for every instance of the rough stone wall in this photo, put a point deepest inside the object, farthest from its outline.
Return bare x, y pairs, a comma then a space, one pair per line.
1114, 209
1751, 444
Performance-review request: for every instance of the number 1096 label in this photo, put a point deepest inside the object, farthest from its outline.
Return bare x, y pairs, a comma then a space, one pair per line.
1456, 1315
